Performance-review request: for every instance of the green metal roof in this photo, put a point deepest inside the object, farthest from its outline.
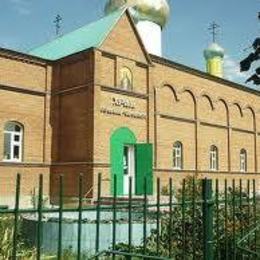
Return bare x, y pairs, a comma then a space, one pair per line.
91, 35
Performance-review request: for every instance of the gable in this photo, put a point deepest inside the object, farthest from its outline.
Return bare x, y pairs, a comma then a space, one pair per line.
123, 40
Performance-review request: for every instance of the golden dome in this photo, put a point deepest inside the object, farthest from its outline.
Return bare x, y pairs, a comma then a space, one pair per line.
156, 11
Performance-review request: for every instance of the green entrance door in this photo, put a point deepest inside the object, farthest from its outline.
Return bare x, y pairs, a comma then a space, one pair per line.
129, 159
144, 168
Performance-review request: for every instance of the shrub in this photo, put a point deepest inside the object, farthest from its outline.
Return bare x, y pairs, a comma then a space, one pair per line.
182, 232
6, 241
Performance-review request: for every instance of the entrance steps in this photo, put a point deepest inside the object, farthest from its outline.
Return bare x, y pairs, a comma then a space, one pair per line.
124, 201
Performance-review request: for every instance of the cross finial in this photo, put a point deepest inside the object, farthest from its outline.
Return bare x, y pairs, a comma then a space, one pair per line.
213, 28
57, 23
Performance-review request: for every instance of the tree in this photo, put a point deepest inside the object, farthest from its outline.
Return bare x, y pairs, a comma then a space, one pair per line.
245, 64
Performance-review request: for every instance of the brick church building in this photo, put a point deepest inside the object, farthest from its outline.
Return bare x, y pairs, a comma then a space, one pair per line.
102, 99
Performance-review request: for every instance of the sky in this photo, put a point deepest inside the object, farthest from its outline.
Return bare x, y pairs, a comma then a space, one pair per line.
25, 24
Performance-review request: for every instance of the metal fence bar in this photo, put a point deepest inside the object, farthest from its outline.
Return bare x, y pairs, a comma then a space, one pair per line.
207, 220
39, 224
217, 220
145, 216
80, 195
193, 219
91, 208
248, 210
233, 220
60, 217
130, 215
158, 217
249, 254
226, 220
98, 212
114, 215
183, 220
240, 217
16, 215
254, 213
170, 218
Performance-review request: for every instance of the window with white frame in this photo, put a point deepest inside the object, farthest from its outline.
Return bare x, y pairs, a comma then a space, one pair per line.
177, 156
13, 135
213, 158
243, 160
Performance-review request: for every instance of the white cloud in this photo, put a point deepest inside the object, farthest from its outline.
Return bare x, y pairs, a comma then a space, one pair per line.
232, 70
21, 6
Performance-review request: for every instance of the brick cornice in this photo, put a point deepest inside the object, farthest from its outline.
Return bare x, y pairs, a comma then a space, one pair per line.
201, 74
24, 57
41, 164
114, 55
123, 92
23, 90
205, 172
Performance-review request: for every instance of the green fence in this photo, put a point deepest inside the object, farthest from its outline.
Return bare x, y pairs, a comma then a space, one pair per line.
200, 219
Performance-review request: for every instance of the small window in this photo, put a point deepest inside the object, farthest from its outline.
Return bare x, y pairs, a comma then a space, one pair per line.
177, 156
13, 142
243, 160
213, 158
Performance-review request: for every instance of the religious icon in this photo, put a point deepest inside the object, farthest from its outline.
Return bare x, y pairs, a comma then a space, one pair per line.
126, 79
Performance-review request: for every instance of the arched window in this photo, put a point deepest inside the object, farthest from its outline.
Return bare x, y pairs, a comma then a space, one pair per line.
243, 160
13, 138
177, 156
213, 158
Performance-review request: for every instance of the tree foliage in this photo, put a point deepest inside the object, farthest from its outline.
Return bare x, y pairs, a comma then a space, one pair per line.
181, 234
246, 63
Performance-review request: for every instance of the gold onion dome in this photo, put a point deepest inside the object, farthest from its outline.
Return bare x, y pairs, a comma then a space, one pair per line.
156, 11
214, 50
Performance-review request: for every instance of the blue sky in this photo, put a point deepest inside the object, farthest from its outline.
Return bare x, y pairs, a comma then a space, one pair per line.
25, 24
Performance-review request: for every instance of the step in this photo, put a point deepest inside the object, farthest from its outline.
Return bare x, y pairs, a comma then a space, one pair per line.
119, 200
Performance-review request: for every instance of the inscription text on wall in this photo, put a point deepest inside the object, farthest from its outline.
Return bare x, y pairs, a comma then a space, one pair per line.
121, 107
125, 103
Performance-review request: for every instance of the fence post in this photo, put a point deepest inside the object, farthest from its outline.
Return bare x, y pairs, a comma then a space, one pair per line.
207, 219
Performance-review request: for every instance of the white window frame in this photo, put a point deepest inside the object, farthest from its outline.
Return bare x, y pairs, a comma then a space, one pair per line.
14, 143
243, 160
177, 156
213, 158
